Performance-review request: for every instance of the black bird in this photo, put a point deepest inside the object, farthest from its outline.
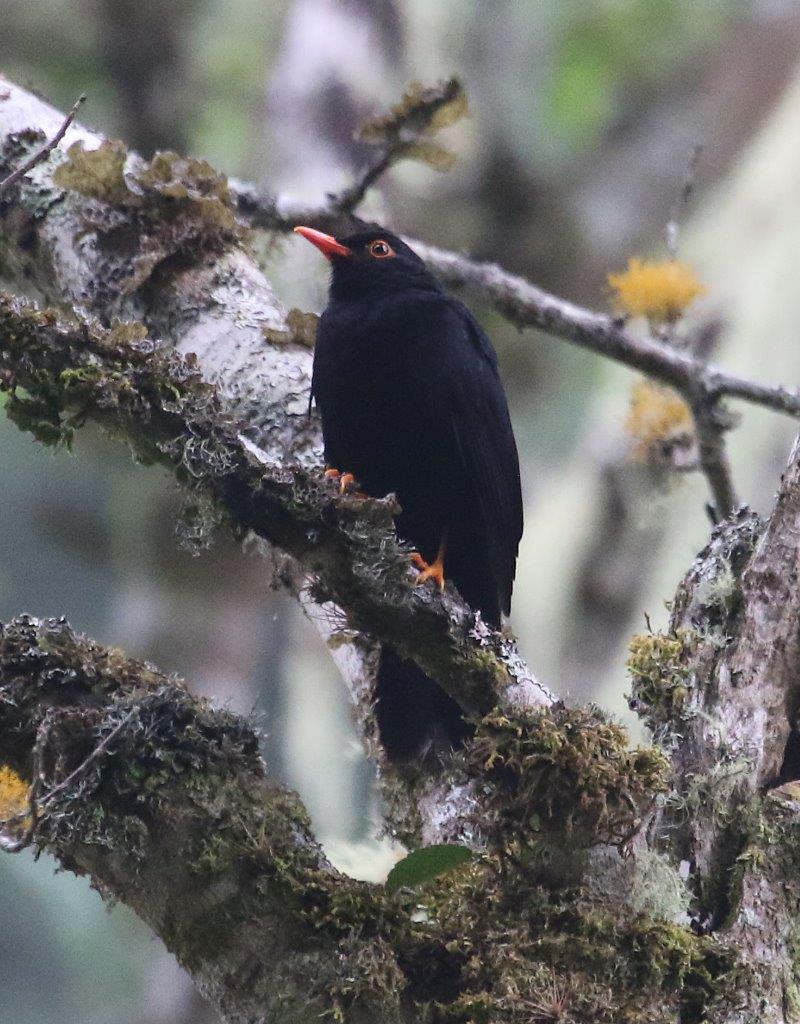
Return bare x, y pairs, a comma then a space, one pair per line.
407, 386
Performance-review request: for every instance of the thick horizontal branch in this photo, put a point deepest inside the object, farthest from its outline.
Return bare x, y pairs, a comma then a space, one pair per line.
163, 802
176, 817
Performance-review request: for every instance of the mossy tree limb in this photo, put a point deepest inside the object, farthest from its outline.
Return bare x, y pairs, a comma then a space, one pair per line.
549, 795
176, 818
156, 243
62, 372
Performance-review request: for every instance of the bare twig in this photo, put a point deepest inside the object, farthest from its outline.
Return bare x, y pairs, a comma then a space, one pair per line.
349, 198
526, 305
406, 130
46, 150
711, 425
98, 751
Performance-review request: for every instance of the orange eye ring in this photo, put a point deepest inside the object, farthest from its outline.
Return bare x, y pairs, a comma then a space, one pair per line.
380, 249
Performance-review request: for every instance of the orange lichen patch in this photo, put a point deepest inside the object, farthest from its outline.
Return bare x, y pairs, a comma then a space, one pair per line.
657, 415
660, 290
13, 793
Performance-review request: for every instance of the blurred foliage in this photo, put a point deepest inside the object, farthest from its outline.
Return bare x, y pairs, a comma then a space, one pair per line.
612, 52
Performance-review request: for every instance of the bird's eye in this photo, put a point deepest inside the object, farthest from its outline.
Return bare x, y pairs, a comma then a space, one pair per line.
380, 249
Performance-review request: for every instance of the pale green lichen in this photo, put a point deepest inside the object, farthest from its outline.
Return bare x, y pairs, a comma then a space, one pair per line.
660, 668
97, 173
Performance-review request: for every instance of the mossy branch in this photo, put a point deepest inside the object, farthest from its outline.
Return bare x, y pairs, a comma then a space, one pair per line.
163, 802
178, 819
61, 372
156, 243
155, 246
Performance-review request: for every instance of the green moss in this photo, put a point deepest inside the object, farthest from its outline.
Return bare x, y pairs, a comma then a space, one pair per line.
525, 951
191, 187
660, 669
182, 780
562, 775
302, 329
39, 414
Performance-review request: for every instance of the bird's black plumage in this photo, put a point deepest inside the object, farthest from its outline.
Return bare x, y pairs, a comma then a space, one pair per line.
407, 385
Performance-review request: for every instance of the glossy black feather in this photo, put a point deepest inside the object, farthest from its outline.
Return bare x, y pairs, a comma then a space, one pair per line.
411, 402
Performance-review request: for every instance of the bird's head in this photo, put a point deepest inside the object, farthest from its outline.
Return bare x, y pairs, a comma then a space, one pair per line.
370, 261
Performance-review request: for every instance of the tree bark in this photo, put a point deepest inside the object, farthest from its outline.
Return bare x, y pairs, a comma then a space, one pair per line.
165, 252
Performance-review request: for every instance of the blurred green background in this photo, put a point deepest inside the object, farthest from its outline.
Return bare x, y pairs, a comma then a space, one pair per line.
584, 117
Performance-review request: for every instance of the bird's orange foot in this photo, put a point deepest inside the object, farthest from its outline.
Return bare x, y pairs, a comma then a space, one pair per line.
429, 570
347, 482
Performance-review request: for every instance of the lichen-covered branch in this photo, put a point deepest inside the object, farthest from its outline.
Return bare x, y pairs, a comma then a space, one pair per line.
60, 373
175, 817
720, 691
158, 244
550, 921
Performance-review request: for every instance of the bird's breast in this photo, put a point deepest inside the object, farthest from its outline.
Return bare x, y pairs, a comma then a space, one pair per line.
372, 386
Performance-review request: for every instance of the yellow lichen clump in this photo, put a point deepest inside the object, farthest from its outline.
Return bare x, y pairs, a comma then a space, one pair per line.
660, 290
13, 793
657, 415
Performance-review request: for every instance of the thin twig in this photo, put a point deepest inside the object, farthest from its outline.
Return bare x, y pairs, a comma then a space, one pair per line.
98, 751
349, 198
46, 150
711, 426
526, 305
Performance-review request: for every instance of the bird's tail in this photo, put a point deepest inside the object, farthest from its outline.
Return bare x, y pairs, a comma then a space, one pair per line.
415, 716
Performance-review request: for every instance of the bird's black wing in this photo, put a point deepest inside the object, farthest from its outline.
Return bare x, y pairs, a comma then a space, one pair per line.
484, 441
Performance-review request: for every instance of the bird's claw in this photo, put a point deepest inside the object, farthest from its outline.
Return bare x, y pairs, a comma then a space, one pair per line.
428, 570
347, 482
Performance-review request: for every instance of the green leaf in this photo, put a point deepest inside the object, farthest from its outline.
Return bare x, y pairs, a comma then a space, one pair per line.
423, 865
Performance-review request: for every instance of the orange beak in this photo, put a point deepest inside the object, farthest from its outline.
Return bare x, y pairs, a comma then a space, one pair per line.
326, 244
